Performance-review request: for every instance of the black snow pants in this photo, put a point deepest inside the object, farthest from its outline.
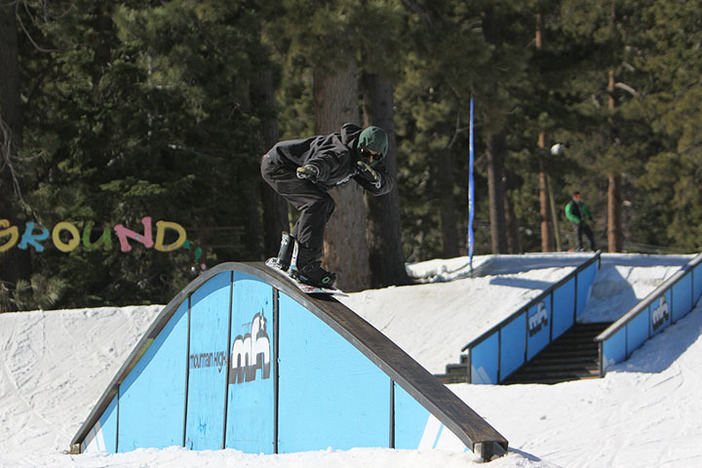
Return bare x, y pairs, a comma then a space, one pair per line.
314, 204
580, 229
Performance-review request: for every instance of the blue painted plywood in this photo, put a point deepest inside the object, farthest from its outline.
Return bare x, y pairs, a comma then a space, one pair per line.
512, 344
585, 279
250, 404
697, 283
416, 428
661, 313
538, 327
682, 297
614, 349
563, 308
103, 436
637, 331
152, 396
209, 327
484, 361
411, 420
330, 394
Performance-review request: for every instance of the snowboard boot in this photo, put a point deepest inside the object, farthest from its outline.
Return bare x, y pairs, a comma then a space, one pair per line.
285, 253
314, 275
306, 267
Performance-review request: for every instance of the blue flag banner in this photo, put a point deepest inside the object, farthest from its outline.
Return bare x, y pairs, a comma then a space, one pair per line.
471, 190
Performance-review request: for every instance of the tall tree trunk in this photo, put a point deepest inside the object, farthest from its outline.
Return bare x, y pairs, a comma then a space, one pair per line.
275, 208
447, 203
514, 242
345, 246
494, 152
495, 140
614, 219
252, 189
546, 241
14, 263
384, 234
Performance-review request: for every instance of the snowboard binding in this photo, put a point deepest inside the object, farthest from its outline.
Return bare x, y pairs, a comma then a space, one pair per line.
282, 261
309, 272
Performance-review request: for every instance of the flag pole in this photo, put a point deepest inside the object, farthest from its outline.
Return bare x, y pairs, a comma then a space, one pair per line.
471, 190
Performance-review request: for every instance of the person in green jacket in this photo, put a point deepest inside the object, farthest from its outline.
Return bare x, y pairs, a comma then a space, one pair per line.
579, 214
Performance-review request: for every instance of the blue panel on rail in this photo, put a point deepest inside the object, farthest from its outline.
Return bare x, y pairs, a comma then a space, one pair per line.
513, 344
484, 362
250, 400
660, 313
697, 283
152, 396
103, 436
538, 327
614, 349
330, 394
637, 330
410, 420
682, 297
209, 324
585, 280
563, 308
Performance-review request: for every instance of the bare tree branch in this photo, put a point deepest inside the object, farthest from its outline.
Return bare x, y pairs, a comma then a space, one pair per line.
6, 157
26, 32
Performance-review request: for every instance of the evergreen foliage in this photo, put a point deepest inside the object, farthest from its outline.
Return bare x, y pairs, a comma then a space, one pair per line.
133, 109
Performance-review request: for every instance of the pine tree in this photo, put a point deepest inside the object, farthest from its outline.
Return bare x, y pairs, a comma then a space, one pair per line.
14, 263
380, 30
384, 223
668, 54
318, 37
614, 137
143, 111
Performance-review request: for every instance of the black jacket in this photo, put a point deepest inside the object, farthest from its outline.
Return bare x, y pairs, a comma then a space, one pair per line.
577, 212
334, 156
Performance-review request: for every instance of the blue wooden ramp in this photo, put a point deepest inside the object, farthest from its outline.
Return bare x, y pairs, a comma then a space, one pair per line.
242, 359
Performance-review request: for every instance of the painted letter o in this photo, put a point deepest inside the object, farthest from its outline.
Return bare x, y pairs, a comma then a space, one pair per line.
55, 236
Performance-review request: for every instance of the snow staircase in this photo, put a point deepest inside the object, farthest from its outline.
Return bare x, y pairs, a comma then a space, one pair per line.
572, 356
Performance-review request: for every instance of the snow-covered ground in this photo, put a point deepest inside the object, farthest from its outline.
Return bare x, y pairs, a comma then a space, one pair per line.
646, 412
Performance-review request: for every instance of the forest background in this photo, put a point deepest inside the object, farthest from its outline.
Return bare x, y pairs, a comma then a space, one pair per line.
112, 110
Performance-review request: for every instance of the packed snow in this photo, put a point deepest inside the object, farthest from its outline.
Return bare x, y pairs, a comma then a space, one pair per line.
646, 411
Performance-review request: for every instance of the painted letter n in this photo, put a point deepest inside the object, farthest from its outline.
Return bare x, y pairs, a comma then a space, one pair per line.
123, 234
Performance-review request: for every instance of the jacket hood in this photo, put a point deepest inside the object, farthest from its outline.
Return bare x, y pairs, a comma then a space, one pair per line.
375, 139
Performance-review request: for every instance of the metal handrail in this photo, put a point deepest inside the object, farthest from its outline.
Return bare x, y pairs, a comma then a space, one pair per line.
649, 299
533, 302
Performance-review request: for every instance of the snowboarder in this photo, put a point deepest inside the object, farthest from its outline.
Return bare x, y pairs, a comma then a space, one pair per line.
579, 214
303, 171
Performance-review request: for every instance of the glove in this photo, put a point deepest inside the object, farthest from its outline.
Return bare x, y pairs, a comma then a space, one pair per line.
367, 172
308, 172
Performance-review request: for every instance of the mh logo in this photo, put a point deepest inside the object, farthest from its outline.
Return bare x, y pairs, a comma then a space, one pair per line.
538, 320
660, 314
251, 352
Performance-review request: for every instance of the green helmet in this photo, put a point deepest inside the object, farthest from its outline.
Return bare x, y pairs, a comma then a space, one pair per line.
375, 139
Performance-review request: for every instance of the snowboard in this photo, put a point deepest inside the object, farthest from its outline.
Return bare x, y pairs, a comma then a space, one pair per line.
305, 288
